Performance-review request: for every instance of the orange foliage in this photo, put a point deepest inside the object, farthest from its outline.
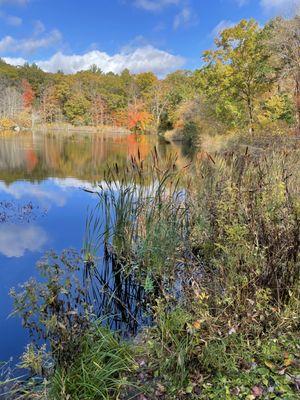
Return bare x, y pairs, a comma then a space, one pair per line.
31, 159
28, 94
138, 121
135, 118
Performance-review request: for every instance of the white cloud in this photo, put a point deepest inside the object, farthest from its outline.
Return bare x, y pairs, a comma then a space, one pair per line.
224, 24
11, 19
16, 61
281, 7
44, 196
184, 18
16, 239
155, 5
8, 44
146, 58
39, 27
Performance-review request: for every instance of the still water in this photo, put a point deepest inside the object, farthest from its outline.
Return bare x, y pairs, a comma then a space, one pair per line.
43, 205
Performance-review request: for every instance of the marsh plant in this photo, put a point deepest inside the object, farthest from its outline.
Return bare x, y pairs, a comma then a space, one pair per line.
143, 232
213, 260
245, 229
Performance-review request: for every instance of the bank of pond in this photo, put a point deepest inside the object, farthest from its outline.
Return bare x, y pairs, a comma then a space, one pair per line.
186, 285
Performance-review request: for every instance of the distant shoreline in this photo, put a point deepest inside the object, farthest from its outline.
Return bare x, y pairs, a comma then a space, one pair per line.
47, 128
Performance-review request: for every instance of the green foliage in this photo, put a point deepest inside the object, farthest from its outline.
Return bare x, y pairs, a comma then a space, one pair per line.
76, 109
99, 372
265, 370
238, 72
56, 310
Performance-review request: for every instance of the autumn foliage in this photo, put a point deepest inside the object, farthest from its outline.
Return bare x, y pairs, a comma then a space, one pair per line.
28, 94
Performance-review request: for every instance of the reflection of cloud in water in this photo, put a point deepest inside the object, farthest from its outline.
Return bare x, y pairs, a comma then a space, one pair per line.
16, 239
52, 191
74, 183
27, 189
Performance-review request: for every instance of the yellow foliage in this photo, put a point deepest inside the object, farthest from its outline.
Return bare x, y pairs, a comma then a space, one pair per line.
6, 124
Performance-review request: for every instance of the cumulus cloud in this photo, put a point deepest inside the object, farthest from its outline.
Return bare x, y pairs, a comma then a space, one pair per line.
8, 44
16, 239
16, 61
281, 7
155, 5
146, 58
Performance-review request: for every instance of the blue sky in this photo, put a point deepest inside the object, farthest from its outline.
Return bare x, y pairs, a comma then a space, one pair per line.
157, 35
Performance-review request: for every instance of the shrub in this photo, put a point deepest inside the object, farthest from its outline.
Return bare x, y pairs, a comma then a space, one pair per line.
56, 309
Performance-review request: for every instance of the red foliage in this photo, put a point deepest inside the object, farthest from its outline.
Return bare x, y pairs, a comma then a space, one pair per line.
135, 118
28, 94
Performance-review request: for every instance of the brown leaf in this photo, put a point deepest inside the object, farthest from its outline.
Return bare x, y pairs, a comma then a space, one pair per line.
161, 388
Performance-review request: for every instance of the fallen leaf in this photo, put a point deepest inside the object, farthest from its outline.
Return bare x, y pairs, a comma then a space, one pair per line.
287, 362
197, 324
161, 388
270, 365
257, 391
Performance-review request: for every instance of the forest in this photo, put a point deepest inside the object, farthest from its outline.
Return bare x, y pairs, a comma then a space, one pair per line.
249, 81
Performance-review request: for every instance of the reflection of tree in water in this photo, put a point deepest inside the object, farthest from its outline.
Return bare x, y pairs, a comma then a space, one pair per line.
39, 156
116, 295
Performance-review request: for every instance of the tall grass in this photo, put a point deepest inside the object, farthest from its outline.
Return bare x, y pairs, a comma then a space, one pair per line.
138, 230
99, 372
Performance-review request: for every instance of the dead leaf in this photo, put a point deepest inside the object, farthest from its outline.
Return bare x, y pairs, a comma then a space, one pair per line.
287, 362
270, 365
161, 388
257, 391
197, 324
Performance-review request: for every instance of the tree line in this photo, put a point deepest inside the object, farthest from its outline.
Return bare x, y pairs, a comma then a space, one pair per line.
250, 80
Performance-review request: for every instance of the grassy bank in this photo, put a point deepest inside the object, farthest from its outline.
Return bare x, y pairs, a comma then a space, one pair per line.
64, 127
213, 249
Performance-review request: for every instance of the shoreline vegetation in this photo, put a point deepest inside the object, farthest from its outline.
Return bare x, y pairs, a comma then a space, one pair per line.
251, 87
200, 263
13, 128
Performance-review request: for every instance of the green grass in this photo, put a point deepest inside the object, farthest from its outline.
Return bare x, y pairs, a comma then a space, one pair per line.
99, 373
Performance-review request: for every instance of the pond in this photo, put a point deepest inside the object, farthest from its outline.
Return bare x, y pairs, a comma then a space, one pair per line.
43, 205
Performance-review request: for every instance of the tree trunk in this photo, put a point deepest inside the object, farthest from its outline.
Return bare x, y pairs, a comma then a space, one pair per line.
250, 113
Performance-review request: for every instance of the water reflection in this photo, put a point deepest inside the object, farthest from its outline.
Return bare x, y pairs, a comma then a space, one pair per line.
15, 239
49, 172
35, 157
